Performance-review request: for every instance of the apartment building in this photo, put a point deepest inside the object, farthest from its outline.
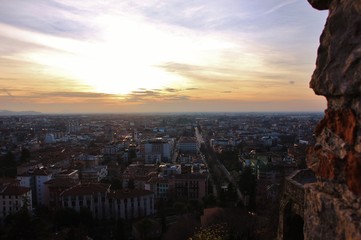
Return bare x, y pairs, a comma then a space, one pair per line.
13, 199
157, 150
105, 203
35, 180
188, 145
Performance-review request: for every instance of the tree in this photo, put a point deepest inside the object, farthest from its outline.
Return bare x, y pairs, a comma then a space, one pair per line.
116, 184
131, 184
209, 201
247, 185
66, 217
144, 227
8, 165
180, 208
213, 232
23, 226
25, 154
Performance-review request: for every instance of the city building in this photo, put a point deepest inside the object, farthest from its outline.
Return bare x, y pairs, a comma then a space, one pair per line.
188, 186
159, 186
35, 180
108, 204
55, 187
157, 150
13, 199
94, 174
188, 145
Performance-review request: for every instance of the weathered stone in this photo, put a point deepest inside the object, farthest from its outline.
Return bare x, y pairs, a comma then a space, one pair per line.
329, 215
332, 206
292, 202
338, 68
320, 4
335, 137
327, 167
342, 122
353, 171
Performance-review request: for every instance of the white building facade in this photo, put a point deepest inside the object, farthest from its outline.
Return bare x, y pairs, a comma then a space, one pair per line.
157, 150
13, 199
105, 203
188, 145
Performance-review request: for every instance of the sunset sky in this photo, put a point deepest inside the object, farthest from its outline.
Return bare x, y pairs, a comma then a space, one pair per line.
75, 56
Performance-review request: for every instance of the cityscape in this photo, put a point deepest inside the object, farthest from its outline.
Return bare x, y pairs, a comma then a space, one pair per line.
148, 176
180, 120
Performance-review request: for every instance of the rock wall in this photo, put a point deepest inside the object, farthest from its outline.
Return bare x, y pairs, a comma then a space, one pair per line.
332, 207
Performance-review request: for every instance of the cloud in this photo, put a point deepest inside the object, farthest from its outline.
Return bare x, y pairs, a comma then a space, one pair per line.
46, 17
171, 90
142, 95
178, 98
157, 51
156, 95
41, 96
223, 77
280, 5
7, 92
75, 94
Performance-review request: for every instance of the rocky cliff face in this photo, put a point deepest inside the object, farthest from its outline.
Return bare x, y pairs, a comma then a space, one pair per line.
333, 204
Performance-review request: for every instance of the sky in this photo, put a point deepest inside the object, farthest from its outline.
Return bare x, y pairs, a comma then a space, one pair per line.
111, 56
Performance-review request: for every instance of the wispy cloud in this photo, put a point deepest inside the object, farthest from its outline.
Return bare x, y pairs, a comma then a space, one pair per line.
7, 92
282, 4
154, 51
157, 95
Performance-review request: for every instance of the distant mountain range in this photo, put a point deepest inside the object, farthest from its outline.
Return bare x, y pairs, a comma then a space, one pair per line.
20, 113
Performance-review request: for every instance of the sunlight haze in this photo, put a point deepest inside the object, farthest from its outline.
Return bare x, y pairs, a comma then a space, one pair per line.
60, 56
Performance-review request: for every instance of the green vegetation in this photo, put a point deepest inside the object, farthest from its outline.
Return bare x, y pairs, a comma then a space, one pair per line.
247, 185
230, 160
8, 165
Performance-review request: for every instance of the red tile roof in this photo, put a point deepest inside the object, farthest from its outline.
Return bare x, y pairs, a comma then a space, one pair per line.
129, 193
62, 183
87, 189
158, 180
9, 181
14, 191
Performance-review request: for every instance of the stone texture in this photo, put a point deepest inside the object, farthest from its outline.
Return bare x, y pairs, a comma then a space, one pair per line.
336, 135
342, 122
331, 212
353, 171
336, 155
332, 206
338, 68
292, 201
320, 4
